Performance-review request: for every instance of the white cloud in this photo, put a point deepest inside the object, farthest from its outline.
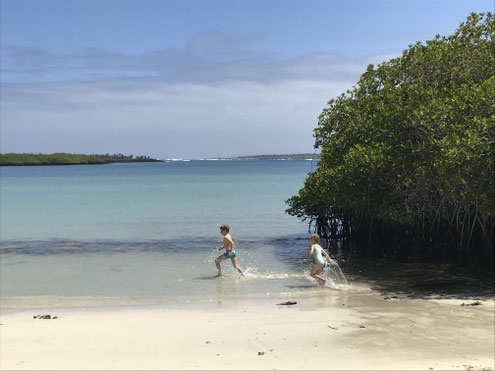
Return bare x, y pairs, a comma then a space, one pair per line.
164, 119
214, 97
208, 57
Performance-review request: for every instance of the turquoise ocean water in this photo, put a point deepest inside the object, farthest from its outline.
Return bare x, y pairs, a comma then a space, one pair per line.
151, 229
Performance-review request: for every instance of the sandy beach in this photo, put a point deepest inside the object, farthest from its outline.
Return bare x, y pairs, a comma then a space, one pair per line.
325, 330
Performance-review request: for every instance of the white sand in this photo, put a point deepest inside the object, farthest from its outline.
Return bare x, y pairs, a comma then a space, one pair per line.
319, 332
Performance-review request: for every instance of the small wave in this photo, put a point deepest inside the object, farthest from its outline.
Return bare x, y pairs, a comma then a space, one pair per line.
335, 286
66, 247
253, 274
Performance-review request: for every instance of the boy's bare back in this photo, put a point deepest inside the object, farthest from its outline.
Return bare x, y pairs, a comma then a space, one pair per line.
228, 242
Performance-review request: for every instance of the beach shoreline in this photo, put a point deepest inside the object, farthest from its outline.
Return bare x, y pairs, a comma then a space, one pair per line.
326, 329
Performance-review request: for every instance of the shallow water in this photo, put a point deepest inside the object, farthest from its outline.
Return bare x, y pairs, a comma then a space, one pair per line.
151, 229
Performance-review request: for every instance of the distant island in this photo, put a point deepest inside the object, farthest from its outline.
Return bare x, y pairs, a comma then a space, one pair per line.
30, 159
293, 156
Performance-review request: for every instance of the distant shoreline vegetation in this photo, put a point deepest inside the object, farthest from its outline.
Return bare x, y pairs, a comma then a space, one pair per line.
30, 159
293, 156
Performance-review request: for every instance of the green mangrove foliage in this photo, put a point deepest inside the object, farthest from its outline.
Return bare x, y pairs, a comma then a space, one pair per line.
407, 156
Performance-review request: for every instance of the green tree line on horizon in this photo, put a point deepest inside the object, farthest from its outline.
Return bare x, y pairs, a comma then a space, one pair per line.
20, 159
407, 164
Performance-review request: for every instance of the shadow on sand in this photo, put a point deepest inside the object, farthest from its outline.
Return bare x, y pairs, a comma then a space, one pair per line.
420, 280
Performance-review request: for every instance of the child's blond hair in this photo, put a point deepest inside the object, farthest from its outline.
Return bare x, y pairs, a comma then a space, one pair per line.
314, 237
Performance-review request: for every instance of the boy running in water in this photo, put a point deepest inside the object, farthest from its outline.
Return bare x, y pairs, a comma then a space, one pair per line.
228, 245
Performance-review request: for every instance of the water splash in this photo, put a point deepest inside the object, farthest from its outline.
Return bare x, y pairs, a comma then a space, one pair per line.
332, 274
335, 274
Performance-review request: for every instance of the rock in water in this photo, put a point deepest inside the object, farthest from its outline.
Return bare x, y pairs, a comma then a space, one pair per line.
392, 297
472, 304
288, 303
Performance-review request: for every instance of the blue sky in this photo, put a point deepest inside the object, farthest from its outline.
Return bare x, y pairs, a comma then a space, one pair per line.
193, 79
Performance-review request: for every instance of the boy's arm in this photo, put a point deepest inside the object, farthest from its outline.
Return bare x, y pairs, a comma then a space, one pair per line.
222, 247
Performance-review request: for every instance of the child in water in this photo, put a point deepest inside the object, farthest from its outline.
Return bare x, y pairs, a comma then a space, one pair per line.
317, 251
228, 245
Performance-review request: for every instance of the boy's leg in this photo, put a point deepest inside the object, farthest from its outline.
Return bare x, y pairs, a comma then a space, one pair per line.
217, 263
236, 266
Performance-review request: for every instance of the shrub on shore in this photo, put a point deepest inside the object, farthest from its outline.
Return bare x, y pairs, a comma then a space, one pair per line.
407, 163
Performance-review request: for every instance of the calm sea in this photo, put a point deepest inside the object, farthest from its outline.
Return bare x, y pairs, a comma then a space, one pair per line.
151, 229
